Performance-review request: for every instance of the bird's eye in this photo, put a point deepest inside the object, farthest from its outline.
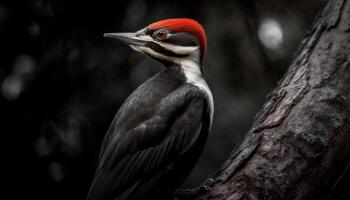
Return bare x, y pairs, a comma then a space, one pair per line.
161, 34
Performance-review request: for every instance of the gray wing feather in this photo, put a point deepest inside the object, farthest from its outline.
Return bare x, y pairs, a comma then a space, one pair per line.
147, 149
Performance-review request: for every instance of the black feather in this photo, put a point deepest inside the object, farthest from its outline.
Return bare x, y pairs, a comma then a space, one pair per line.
154, 140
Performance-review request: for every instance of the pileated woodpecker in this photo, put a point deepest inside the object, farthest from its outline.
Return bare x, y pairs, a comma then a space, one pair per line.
159, 132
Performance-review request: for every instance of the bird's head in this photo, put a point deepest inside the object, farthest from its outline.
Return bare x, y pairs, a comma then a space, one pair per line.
168, 41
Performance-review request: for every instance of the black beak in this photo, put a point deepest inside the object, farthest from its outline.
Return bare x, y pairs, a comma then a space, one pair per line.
127, 38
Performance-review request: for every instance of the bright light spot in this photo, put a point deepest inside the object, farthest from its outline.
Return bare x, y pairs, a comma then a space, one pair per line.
14, 83
270, 34
12, 87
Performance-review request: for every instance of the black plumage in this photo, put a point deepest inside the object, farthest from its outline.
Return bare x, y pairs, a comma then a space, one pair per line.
154, 140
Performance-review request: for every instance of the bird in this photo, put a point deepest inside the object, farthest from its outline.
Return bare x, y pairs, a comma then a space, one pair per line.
159, 132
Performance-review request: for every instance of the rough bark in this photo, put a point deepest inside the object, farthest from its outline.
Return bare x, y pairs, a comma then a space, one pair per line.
299, 145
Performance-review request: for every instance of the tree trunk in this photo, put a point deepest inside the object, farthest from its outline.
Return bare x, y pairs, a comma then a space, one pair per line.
299, 145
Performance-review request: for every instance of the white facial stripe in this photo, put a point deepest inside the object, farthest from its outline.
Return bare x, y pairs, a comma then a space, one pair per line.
193, 57
182, 50
151, 52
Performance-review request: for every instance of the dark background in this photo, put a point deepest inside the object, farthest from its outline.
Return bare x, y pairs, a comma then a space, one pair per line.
61, 82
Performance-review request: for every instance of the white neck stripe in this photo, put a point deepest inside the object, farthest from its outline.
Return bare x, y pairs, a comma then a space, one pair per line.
194, 76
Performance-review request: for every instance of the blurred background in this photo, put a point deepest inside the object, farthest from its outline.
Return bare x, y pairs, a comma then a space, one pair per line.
61, 82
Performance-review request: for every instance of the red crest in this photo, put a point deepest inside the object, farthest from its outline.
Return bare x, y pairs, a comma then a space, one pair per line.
184, 25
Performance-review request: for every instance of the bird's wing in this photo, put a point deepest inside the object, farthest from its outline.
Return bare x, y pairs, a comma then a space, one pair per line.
138, 157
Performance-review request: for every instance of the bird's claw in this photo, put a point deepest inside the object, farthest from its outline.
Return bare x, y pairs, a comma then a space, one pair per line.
206, 186
188, 193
